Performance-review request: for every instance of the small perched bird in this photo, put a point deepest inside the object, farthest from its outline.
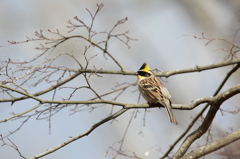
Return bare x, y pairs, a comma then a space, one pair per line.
153, 91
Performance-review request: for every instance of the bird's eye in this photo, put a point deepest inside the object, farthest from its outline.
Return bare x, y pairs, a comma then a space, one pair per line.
144, 74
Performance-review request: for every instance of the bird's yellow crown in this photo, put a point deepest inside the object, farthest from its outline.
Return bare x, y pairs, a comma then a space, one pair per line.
144, 71
145, 67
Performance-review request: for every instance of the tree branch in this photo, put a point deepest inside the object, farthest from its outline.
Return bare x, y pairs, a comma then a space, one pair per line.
217, 100
202, 111
215, 105
80, 135
161, 74
40, 92
204, 150
190, 106
20, 114
199, 68
94, 44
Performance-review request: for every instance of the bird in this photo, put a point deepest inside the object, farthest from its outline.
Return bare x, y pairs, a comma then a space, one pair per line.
153, 90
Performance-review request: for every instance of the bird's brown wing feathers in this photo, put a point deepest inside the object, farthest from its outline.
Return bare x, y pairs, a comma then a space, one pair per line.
154, 91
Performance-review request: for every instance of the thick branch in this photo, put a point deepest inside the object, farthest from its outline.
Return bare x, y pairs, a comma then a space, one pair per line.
204, 150
202, 111
215, 104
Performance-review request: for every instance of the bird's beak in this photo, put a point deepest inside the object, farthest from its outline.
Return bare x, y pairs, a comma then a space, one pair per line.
136, 73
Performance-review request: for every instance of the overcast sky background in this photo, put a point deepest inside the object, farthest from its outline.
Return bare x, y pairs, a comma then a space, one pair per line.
158, 26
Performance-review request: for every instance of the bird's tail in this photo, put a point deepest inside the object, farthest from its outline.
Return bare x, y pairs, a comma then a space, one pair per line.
169, 111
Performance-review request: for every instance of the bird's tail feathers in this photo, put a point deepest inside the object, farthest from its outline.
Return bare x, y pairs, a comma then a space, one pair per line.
169, 111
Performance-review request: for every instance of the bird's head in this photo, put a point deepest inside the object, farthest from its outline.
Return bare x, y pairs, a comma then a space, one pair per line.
144, 72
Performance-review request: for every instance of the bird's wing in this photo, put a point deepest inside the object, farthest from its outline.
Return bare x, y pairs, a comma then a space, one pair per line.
154, 89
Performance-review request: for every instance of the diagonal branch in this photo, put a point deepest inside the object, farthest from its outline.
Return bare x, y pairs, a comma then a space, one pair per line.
20, 114
80, 135
216, 102
204, 150
94, 44
215, 105
202, 111
40, 92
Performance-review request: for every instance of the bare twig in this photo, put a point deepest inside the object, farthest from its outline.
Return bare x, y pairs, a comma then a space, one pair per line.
13, 145
81, 135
